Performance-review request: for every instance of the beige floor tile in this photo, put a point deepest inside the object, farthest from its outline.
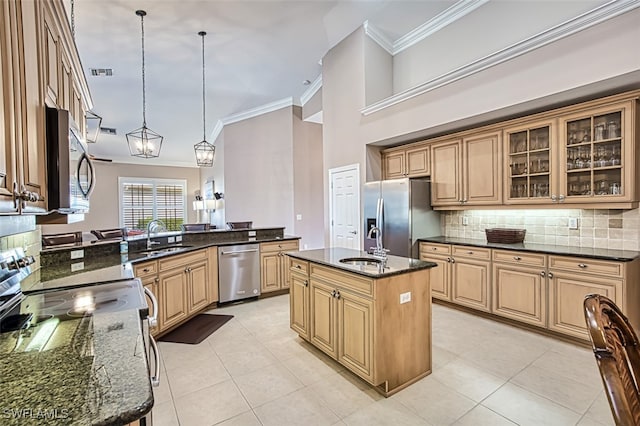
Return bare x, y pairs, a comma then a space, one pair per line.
441, 357
191, 377
526, 408
310, 367
247, 358
164, 414
301, 407
575, 363
244, 419
482, 416
344, 393
434, 401
284, 348
176, 355
600, 411
162, 393
468, 379
586, 421
384, 413
267, 384
211, 405
558, 388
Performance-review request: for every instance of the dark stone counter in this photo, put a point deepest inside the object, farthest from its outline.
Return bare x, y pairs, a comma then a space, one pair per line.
594, 253
394, 265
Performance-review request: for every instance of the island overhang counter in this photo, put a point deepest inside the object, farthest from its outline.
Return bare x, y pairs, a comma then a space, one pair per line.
373, 316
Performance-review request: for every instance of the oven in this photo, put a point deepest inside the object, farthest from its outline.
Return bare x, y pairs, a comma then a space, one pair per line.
66, 320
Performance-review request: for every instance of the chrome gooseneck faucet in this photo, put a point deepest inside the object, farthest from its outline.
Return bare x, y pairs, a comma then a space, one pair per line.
156, 225
378, 250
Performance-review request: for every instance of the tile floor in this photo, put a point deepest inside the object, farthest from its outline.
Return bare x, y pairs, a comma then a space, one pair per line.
256, 371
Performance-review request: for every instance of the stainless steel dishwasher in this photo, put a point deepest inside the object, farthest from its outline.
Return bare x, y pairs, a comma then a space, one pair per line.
238, 272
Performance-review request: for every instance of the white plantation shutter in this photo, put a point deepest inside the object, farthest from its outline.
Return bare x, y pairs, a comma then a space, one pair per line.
142, 200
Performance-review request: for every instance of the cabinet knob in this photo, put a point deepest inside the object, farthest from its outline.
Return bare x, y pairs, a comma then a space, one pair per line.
453, 260
146, 270
517, 258
448, 260
298, 267
157, 280
550, 275
554, 198
582, 265
306, 283
561, 198
434, 248
333, 293
337, 296
464, 200
469, 252
542, 274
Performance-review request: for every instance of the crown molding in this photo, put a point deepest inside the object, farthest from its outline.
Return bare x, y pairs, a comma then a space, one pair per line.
160, 162
581, 22
217, 129
313, 88
438, 22
254, 112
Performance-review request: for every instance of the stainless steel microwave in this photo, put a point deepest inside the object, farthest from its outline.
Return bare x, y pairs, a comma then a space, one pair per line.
70, 172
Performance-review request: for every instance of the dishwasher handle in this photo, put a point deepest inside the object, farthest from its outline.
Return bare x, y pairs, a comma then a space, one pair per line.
238, 251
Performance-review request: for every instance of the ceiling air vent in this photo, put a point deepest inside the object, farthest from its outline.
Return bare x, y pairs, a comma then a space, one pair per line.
101, 72
108, 130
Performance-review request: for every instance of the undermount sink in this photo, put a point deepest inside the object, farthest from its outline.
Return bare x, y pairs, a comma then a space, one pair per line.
361, 261
161, 250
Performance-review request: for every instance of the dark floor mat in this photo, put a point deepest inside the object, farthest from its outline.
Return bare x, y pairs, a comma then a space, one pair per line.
196, 329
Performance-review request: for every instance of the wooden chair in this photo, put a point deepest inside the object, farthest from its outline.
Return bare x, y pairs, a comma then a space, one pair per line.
64, 238
239, 225
105, 234
186, 227
615, 347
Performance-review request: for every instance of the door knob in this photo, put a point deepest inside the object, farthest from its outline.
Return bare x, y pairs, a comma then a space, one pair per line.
352, 232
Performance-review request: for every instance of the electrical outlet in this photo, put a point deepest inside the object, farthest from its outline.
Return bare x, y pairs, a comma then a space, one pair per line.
405, 297
465, 220
178, 238
77, 254
78, 266
298, 217
171, 240
573, 223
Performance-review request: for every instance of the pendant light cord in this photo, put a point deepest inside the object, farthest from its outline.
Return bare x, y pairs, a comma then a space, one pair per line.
204, 120
73, 21
144, 98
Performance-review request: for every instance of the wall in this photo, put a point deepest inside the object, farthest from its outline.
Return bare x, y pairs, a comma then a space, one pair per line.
104, 213
307, 182
216, 173
513, 87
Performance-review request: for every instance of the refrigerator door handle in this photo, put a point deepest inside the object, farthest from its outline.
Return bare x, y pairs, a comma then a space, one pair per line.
381, 215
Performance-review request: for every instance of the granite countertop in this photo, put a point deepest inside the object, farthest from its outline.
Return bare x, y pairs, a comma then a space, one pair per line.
394, 265
92, 371
594, 253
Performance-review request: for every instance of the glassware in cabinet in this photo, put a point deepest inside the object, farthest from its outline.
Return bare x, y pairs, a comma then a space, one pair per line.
529, 163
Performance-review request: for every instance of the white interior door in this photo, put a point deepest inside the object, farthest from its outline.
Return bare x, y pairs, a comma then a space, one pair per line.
345, 206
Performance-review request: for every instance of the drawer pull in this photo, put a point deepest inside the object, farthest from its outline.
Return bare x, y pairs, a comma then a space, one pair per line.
434, 248
146, 270
298, 267
517, 258
582, 265
469, 252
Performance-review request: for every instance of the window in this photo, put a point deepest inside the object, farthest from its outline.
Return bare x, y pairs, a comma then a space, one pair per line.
142, 200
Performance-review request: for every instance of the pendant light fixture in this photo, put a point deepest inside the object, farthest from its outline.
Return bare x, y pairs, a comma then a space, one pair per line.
92, 120
144, 142
204, 150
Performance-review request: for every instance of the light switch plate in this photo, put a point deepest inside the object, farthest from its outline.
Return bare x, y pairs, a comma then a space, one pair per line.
77, 254
298, 217
405, 297
252, 233
465, 220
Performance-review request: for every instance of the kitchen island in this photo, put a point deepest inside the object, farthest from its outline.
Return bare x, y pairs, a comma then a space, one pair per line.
373, 316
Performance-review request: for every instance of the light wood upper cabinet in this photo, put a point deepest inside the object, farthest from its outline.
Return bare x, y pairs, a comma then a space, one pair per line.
411, 162
51, 57
467, 171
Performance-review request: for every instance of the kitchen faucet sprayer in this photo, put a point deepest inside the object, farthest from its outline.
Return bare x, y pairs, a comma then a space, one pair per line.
378, 250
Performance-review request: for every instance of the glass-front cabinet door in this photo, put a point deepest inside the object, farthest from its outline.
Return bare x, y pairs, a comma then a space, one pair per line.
596, 155
529, 163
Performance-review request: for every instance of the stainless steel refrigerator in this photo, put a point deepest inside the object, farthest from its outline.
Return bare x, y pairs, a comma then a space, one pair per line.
401, 209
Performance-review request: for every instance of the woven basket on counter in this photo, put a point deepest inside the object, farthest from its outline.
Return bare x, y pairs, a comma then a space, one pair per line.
505, 235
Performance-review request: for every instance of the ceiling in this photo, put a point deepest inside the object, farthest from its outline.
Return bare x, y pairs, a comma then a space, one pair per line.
257, 52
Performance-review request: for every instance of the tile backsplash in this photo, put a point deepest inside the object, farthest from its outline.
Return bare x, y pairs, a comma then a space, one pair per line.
614, 229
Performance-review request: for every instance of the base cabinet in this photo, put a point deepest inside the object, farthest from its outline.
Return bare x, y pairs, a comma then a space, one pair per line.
519, 293
173, 294
471, 283
440, 276
273, 265
359, 321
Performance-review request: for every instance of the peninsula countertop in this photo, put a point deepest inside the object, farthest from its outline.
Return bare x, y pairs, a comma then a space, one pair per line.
393, 265
588, 252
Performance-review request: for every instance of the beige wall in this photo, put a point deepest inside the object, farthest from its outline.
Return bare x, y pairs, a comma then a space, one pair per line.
104, 212
515, 86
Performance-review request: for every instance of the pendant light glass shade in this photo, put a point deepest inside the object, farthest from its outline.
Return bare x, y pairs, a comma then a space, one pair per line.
93, 122
205, 152
144, 142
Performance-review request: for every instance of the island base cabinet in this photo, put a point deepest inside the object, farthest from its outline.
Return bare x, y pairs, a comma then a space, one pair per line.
355, 315
566, 297
520, 294
299, 304
324, 330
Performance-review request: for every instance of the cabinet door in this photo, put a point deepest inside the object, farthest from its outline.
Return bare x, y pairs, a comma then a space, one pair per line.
270, 270
299, 304
355, 328
417, 161
173, 293
598, 154
566, 295
446, 174
198, 286
482, 169
50, 57
394, 165
530, 163
439, 277
520, 294
324, 329
470, 284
